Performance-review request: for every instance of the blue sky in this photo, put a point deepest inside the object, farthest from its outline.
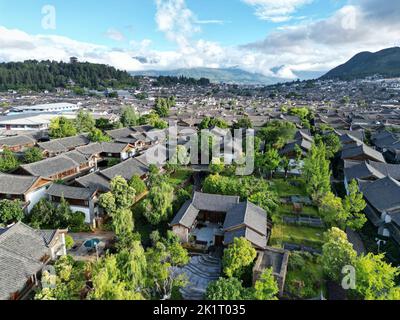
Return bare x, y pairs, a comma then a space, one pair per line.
257, 35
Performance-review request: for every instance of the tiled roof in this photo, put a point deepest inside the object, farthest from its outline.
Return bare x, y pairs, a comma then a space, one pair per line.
21, 255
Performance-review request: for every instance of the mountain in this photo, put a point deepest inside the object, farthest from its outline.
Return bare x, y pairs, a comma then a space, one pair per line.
225, 75
47, 75
385, 63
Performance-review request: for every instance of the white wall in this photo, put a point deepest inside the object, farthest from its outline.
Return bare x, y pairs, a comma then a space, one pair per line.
85, 210
34, 197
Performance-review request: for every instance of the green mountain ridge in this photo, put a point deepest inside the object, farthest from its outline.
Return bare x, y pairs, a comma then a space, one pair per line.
385, 63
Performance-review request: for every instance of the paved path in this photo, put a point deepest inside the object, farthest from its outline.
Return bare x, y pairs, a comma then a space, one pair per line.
356, 241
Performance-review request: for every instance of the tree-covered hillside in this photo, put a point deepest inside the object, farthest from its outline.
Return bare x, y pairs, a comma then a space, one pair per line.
47, 75
385, 63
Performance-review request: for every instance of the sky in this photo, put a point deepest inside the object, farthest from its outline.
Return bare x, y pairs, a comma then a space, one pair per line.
272, 37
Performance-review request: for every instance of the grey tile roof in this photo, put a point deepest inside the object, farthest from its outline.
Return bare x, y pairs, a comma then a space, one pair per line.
362, 170
203, 202
52, 166
112, 147
214, 202
362, 150
17, 141
15, 184
64, 144
126, 169
94, 181
76, 193
386, 169
186, 216
252, 236
77, 157
349, 138
21, 251
52, 147
248, 214
90, 149
120, 133
382, 194
304, 144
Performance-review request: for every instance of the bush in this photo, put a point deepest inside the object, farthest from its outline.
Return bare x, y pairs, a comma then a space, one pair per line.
69, 242
77, 222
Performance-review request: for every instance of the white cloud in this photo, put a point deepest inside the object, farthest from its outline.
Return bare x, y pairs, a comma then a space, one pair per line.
276, 10
176, 21
114, 34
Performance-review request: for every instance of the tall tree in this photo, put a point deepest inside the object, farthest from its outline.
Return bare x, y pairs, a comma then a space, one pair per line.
8, 161
355, 204
84, 122
337, 252
272, 161
317, 172
10, 211
33, 155
225, 289
96, 135
266, 288
129, 117
62, 127
158, 204
375, 278
238, 256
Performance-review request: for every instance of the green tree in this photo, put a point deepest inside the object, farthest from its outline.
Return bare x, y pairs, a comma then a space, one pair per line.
104, 124
317, 172
107, 282
332, 144
69, 281
375, 279
238, 256
225, 289
42, 214
10, 211
62, 127
277, 133
332, 211
63, 214
268, 200
8, 161
69, 242
161, 279
138, 185
162, 107
266, 288
133, 266
129, 117
118, 203
96, 135
337, 252
158, 204
84, 122
217, 166
243, 123
33, 155
272, 161
355, 204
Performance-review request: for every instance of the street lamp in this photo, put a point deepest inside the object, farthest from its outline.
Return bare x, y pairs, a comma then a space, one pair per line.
379, 242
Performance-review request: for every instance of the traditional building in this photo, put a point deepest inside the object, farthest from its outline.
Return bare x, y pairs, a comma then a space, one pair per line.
216, 220
24, 253
28, 189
